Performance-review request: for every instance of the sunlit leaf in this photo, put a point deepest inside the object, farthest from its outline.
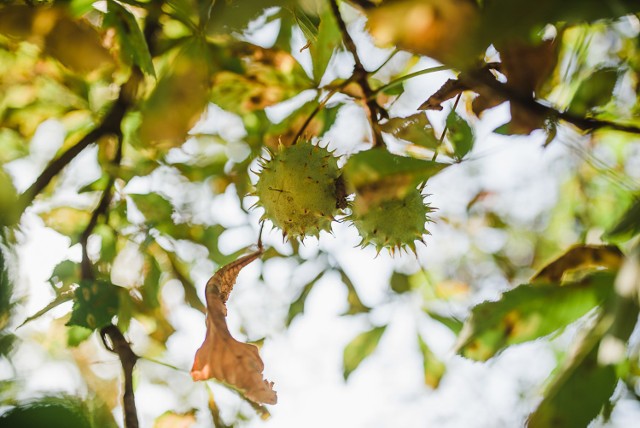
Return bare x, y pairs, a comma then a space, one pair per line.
95, 304
60, 299
415, 129
67, 221
9, 215
382, 174
628, 225
151, 285
528, 312
443, 30
595, 91
66, 273
460, 135
433, 368
579, 390
327, 41
452, 323
179, 98
267, 77
353, 298
87, 54
154, 207
580, 257
400, 282
132, 43
77, 334
172, 419
297, 307
229, 16
360, 348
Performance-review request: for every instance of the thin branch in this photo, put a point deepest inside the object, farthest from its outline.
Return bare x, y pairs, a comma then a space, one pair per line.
401, 79
362, 4
317, 109
534, 107
115, 342
110, 125
360, 74
446, 128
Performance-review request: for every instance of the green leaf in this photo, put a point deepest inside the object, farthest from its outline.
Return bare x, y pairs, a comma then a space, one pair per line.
594, 91
66, 272
67, 221
96, 186
360, 348
308, 27
452, 323
180, 97
95, 304
328, 40
297, 307
400, 282
234, 15
9, 213
108, 243
579, 390
628, 225
415, 129
154, 207
377, 168
433, 368
528, 312
460, 135
151, 285
355, 304
59, 299
132, 42
76, 335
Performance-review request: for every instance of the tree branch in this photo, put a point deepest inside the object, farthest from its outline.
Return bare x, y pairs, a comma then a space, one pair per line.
110, 125
362, 4
115, 342
372, 108
534, 107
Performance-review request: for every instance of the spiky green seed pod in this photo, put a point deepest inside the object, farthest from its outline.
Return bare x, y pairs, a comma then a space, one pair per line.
298, 189
394, 223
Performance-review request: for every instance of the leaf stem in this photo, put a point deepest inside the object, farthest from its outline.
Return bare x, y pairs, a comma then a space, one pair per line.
401, 79
446, 128
317, 109
360, 75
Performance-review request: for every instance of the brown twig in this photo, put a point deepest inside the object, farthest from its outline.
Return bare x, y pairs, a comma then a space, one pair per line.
115, 342
534, 107
446, 128
363, 4
110, 125
360, 75
317, 109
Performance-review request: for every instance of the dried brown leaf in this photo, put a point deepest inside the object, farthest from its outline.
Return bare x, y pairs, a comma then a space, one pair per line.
223, 358
448, 90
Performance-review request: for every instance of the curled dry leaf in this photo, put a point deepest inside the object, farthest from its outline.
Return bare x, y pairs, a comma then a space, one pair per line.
223, 358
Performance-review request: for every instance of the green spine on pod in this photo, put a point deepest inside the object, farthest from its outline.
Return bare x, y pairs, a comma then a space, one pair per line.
395, 223
298, 187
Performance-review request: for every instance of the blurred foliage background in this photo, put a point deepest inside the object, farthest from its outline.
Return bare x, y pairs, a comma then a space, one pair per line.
131, 133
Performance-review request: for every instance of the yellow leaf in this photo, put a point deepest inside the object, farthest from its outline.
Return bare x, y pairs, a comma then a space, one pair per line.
583, 258
441, 29
175, 420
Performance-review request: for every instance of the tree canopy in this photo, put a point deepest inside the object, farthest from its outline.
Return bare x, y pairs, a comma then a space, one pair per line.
167, 142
